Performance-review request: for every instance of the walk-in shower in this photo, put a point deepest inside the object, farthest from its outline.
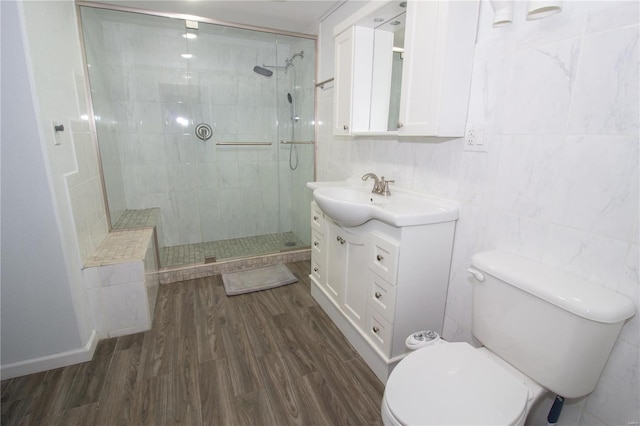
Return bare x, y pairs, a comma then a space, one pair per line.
210, 127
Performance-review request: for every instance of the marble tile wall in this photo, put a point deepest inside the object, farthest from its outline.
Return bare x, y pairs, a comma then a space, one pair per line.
559, 102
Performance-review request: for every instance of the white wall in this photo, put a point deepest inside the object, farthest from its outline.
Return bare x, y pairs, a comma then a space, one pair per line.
37, 310
558, 99
53, 213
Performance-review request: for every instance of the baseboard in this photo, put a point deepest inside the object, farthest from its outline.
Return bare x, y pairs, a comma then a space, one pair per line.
49, 362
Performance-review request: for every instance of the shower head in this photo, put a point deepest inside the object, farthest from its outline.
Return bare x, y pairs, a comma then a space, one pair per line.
289, 62
262, 71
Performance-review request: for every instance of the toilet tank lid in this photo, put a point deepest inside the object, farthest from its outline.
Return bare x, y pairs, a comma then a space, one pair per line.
571, 293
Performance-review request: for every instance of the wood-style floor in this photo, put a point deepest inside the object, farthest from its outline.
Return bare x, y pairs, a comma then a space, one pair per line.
266, 358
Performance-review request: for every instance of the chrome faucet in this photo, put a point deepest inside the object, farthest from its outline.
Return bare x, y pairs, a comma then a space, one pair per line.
376, 185
380, 186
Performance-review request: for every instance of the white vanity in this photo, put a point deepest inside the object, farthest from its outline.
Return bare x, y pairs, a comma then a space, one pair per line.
380, 265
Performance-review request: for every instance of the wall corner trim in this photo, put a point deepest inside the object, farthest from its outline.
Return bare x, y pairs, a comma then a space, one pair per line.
49, 362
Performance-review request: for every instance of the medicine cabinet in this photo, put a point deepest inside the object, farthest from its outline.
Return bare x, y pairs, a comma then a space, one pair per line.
404, 68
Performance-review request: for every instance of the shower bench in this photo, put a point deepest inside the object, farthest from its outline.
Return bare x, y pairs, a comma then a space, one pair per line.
121, 279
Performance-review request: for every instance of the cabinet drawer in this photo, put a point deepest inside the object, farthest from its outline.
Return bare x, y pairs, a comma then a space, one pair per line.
317, 244
317, 218
317, 271
379, 331
382, 296
384, 258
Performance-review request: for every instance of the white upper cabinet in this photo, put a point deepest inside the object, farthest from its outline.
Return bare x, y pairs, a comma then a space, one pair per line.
354, 53
405, 68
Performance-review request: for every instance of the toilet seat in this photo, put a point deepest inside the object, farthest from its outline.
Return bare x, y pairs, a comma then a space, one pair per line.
453, 383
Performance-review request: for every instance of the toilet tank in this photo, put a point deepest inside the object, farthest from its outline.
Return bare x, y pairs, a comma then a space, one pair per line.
556, 328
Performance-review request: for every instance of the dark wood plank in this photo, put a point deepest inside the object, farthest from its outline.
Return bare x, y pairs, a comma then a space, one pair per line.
216, 400
78, 416
281, 388
117, 399
209, 297
50, 404
152, 396
91, 376
254, 409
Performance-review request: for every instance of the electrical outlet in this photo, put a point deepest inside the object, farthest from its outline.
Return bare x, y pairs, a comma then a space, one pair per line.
474, 138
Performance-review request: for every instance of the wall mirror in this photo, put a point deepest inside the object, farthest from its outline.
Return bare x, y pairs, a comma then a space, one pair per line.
388, 33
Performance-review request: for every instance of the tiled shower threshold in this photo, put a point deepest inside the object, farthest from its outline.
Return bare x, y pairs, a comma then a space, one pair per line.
191, 272
191, 261
216, 251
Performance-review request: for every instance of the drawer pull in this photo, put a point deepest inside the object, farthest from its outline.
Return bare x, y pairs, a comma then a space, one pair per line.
315, 243
375, 329
379, 257
315, 218
378, 295
315, 269
340, 239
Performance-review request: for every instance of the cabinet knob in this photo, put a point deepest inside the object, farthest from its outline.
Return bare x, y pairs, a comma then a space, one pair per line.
315, 218
375, 329
345, 127
340, 239
378, 295
315, 269
399, 124
379, 257
315, 243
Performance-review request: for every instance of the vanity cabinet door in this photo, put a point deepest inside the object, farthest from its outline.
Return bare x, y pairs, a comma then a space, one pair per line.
347, 255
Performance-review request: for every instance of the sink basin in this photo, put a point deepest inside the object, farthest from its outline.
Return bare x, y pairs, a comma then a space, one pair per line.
354, 205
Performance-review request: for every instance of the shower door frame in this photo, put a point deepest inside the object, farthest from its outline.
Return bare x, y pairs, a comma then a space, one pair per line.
186, 17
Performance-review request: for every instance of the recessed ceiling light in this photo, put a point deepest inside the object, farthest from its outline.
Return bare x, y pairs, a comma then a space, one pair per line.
378, 20
394, 23
187, 55
190, 36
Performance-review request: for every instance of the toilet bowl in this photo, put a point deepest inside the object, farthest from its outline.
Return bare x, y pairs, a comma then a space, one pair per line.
527, 316
457, 384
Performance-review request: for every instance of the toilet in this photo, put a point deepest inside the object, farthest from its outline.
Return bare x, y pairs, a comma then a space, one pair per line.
542, 330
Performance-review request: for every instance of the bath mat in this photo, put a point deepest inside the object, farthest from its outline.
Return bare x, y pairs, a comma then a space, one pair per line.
257, 279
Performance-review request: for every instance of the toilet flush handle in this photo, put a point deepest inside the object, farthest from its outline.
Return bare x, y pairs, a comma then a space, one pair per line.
476, 274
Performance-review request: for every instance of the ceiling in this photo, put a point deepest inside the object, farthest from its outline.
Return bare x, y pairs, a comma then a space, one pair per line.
301, 16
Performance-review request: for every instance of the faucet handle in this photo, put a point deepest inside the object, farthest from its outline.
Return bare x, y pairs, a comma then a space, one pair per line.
384, 186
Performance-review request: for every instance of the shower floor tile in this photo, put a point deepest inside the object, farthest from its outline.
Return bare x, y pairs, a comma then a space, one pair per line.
189, 254
143, 218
